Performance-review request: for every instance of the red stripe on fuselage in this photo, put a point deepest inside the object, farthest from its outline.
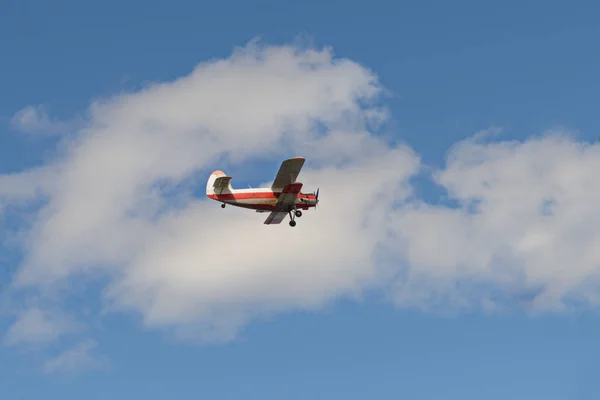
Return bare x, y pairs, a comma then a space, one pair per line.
255, 195
242, 196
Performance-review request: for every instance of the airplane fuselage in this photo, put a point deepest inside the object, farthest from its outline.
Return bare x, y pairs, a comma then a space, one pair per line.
262, 199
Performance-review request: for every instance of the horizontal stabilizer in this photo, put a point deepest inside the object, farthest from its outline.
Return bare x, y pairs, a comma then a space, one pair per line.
222, 182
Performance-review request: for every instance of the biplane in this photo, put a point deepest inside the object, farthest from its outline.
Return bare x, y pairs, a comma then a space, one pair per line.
283, 198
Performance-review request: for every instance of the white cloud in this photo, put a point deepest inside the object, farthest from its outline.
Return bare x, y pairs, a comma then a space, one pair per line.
35, 120
196, 267
121, 202
525, 229
36, 326
75, 359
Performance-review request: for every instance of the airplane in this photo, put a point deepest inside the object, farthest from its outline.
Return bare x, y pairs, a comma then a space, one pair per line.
283, 198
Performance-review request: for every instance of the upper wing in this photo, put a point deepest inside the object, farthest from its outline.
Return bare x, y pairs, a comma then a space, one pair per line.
275, 218
288, 172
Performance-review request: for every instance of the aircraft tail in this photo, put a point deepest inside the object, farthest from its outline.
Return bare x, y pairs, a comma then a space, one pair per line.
218, 182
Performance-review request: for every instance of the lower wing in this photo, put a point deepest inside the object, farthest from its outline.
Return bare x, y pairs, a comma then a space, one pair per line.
275, 218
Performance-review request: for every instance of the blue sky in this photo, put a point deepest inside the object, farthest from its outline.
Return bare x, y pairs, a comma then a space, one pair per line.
451, 70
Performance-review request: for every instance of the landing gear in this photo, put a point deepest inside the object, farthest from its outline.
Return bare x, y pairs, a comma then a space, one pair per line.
298, 213
223, 205
292, 219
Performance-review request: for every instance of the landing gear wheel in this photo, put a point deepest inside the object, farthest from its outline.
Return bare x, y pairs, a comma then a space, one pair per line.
292, 223
298, 213
223, 205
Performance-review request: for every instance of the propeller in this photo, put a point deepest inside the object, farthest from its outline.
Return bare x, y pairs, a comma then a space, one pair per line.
317, 198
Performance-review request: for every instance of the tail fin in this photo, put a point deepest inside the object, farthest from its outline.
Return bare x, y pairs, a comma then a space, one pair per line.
217, 183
